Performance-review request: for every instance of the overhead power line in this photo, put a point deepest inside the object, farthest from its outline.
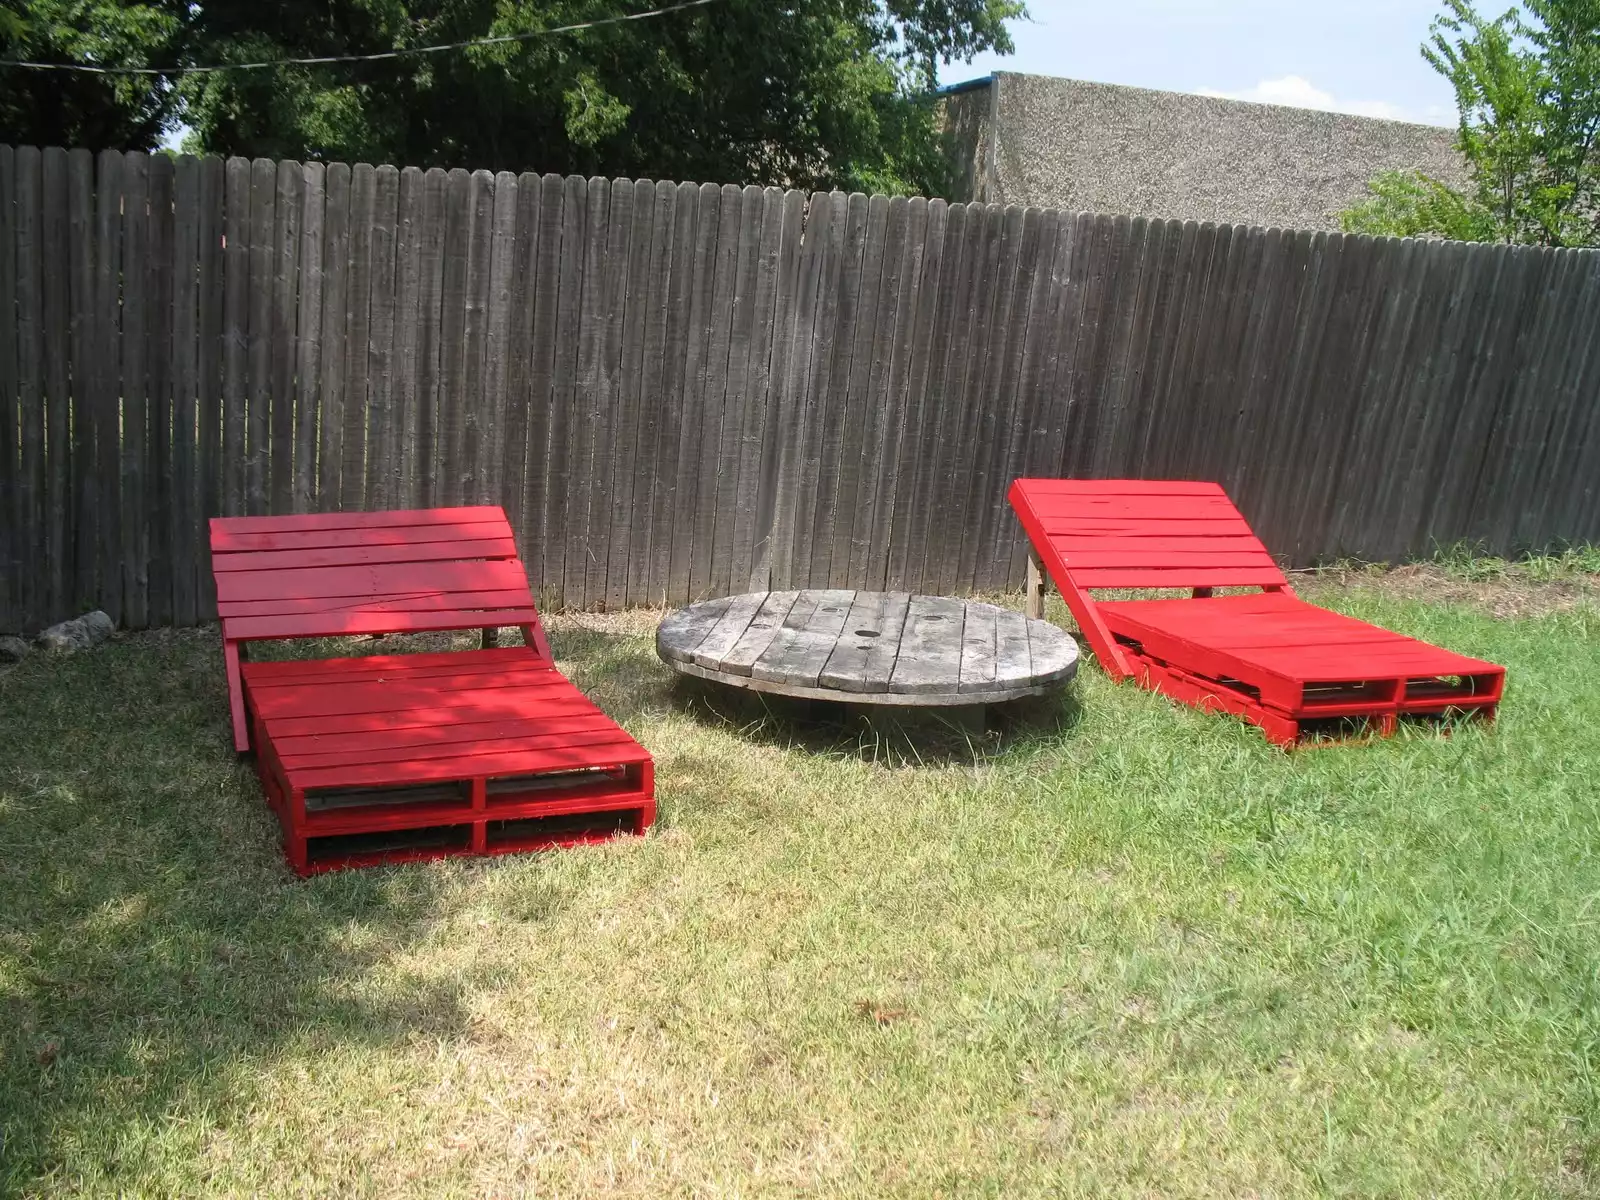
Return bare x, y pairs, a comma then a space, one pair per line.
406, 52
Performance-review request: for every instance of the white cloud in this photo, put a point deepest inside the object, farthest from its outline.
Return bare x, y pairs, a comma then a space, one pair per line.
1296, 92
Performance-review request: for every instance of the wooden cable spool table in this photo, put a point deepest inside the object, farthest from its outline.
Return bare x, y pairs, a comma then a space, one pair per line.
870, 648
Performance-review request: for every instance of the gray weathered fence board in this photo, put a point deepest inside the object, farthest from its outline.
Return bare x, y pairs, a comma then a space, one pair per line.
681, 390
134, 515
335, 316
180, 532
30, 333
308, 334
382, 469
57, 387
82, 523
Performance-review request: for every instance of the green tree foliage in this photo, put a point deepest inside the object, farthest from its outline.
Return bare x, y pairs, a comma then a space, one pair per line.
1527, 87
54, 108
801, 92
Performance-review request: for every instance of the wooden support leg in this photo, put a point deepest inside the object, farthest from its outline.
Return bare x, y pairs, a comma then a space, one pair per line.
1035, 587
491, 638
241, 728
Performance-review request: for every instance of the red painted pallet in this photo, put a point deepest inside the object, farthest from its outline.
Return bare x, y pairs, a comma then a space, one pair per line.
397, 758
329, 574
1292, 668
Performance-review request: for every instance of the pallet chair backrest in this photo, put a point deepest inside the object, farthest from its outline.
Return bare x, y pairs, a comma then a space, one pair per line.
1137, 533
329, 574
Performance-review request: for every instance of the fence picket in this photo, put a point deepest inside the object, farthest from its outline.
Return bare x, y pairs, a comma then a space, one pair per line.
680, 390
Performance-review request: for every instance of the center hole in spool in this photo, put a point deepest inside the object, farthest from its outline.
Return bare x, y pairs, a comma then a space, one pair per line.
866, 633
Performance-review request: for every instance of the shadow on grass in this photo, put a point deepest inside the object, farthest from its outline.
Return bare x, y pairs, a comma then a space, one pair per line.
892, 736
154, 948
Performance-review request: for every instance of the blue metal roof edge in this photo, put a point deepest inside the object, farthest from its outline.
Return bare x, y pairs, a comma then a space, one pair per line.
966, 85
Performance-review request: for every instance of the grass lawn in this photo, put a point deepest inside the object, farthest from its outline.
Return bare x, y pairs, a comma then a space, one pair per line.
1128, 949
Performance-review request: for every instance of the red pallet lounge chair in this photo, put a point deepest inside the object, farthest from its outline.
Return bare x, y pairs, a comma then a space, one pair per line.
398, 757
1290, 667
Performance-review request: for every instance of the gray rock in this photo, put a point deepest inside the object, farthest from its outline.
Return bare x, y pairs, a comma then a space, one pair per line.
12, 649
81, 633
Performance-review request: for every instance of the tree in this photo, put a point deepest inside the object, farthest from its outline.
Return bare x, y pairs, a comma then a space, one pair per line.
57, 108
806, 93
1527, 89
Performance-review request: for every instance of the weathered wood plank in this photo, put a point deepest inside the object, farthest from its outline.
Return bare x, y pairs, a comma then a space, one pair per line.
106, 364
758, 635
13, 613
518, 348
805, 640
335, 318
263, 214
542, 353
410, 216
680, 633
627, 452
1052, 655
831, 402
721, 413
722, 637
868, 645
690, 397
237, 351
587, 415
158, 369
31, 395
658, 448
135, 415
490, 470
930, 647
182, 529
208, 382
828, 223
930, 291
383, 433
1013, 654
56, 256
612, 282
357, 337
795, 310
746, 568
430, 333
308, 335
978, 648
467, 485
559, 464
83, 515
453, 399
880, 440
860, 416
739, 408
290, 209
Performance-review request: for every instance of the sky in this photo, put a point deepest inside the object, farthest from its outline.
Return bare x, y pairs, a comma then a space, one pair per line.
1355, 56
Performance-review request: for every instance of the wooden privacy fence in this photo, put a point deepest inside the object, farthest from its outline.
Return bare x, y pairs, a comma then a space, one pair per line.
679, 390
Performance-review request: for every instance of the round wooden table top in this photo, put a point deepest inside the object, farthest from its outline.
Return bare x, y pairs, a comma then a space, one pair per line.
868, 647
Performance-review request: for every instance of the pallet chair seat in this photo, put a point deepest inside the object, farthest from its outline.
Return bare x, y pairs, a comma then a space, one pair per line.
395, 757
1288, 666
